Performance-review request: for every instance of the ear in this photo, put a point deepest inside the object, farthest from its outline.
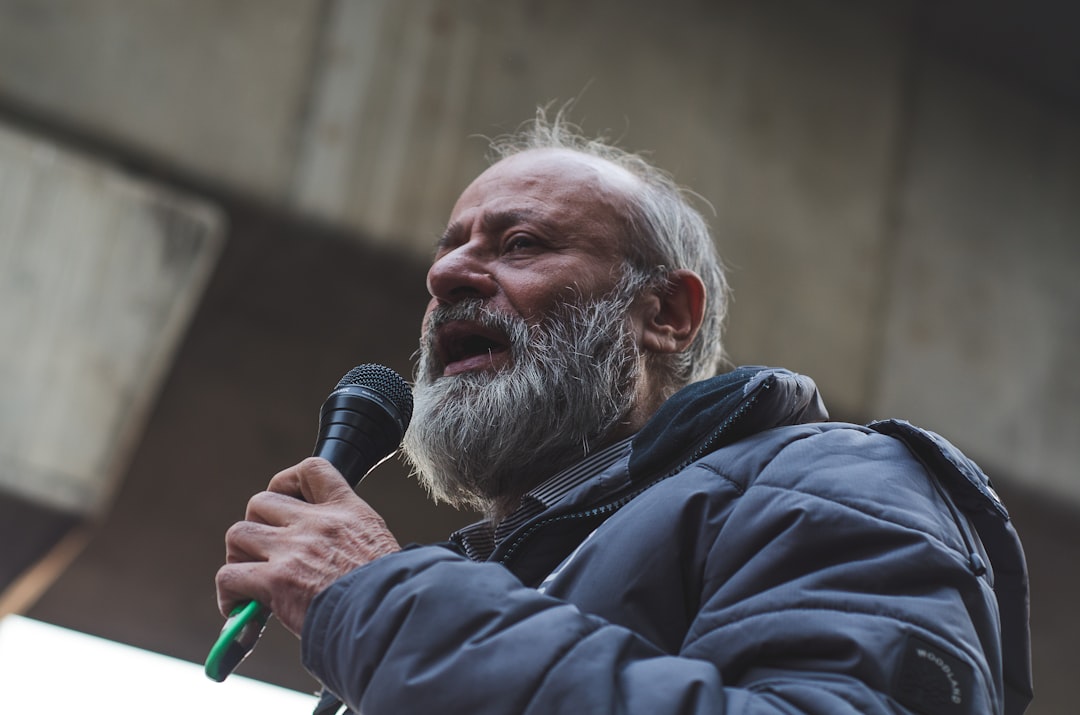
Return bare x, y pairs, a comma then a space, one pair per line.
672, 315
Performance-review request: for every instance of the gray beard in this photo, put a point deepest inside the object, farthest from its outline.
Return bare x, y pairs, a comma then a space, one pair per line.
481, 440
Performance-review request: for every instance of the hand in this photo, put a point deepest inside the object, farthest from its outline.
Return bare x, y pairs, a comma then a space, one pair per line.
304, 532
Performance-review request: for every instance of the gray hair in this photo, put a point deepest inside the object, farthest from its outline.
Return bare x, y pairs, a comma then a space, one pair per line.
665, 233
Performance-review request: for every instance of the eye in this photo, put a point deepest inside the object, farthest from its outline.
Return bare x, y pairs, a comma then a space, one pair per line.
520, 242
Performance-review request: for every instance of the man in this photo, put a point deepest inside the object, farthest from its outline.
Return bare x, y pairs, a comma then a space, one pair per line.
655, 542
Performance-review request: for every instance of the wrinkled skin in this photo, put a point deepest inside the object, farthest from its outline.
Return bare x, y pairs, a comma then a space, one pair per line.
300, 535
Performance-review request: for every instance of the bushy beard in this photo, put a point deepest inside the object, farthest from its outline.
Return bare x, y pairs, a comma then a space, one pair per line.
482, 439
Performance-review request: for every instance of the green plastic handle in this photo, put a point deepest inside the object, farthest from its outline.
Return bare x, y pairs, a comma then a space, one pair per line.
238, 636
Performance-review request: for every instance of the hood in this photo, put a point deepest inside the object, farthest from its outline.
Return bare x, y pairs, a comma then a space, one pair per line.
713, 413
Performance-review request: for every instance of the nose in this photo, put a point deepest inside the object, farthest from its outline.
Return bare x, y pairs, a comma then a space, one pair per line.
460, 274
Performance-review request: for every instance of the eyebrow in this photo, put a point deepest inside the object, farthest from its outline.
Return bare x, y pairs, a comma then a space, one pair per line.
495, 222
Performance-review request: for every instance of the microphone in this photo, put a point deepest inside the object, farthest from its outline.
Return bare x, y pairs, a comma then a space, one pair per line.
363, 420
361, 424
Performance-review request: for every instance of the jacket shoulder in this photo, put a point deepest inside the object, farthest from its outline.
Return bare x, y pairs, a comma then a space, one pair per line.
970, 488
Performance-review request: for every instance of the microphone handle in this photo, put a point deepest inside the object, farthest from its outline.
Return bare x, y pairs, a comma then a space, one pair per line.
242, 630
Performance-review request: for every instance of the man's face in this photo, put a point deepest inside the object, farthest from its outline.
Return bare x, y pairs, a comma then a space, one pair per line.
526, 234
530, 352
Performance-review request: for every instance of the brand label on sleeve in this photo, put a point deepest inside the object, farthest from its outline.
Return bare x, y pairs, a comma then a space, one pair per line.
932, 681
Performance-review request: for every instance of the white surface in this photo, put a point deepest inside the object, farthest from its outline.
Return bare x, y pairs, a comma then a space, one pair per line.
44, 668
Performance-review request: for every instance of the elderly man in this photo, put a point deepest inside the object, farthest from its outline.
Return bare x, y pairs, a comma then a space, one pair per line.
655, 541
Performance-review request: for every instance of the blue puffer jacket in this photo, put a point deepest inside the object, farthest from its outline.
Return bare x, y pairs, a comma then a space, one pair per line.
745, 558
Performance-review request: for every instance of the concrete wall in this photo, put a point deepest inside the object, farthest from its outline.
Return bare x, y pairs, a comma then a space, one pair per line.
895, 182
99, 276
816, 130
983, 312
210, 87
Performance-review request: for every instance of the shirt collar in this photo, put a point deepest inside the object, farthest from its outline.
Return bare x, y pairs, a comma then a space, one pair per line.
480, 539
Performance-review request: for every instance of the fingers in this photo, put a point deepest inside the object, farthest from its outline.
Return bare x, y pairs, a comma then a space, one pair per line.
273, 509
239, 583
294, 496
305, 531
247, 541
313, 480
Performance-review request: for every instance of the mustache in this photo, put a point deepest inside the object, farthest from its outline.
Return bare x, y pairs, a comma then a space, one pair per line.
512, 327
474, 310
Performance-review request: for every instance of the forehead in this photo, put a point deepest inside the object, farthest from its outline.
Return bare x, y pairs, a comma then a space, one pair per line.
558, 182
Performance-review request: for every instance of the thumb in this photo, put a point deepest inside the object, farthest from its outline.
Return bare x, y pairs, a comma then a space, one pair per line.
314, 480
321, 482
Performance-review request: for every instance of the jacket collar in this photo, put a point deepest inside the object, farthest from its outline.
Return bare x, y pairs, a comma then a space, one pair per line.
707, 415
695, 421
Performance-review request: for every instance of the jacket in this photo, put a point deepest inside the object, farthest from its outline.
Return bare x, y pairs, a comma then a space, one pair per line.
746, 557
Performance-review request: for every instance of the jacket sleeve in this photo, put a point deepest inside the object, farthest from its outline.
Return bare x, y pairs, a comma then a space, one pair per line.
427, 630
812, 601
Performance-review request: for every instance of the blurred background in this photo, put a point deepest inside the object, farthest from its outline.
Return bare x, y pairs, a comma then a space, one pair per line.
210, 210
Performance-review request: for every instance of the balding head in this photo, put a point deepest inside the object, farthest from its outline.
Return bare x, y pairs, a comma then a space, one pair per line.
664, 232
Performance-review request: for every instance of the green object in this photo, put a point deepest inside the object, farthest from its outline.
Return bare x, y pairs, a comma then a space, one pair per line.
238, 636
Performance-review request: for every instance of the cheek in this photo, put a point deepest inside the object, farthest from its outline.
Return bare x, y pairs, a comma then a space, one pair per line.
537, 295
532, 301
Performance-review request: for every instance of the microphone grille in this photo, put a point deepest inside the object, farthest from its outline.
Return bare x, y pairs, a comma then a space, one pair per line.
384, 381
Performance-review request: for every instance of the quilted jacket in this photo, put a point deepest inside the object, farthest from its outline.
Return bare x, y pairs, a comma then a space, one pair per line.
747, 556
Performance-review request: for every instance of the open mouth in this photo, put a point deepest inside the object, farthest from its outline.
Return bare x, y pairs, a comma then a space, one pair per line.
464, 345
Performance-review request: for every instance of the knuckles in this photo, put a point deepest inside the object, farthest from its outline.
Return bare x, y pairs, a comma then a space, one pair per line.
258, 504
240, 532
226, 585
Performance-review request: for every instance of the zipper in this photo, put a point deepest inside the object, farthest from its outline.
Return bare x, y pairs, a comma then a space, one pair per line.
704, 447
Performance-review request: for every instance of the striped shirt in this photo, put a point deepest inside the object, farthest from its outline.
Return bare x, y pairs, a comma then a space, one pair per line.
479, 540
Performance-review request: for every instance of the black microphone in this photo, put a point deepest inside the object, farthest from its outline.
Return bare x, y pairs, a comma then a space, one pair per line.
363, 420
361, 423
